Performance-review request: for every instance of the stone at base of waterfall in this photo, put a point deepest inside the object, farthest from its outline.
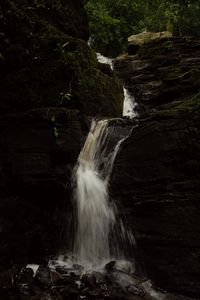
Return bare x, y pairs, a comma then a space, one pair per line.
48, 284
109, 266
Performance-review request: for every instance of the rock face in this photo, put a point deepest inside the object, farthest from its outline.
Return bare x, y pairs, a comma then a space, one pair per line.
38, 151
45, 60
156, 175
49, 80
147, 36
162, 71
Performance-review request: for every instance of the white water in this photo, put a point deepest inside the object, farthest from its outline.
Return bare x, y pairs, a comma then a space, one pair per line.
129, 105
95, 214
129, 101
105, 60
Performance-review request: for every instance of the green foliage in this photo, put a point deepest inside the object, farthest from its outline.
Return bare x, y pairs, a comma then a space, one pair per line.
112, 21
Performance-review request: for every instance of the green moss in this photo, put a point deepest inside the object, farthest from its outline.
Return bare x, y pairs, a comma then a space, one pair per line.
46, 63
91, 91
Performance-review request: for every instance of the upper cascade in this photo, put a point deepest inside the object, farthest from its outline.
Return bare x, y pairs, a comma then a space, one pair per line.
129, 104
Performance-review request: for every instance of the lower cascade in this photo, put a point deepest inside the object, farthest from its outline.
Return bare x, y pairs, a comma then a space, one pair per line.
99, 236
96, 214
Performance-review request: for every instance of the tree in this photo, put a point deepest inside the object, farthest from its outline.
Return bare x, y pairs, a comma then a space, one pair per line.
112, 21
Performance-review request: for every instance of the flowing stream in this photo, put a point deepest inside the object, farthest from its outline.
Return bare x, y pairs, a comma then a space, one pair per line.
97, 226
129, 107
95, 215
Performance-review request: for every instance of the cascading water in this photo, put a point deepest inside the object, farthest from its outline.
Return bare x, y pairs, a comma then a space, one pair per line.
101, 234
105, 60
129, 105
96, 214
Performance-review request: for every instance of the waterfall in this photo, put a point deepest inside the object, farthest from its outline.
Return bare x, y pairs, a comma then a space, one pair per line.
100, 235
129, 105
96, 214
105, 60
129, 101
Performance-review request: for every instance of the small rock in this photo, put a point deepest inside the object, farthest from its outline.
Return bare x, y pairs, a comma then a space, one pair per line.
25, 276
134, 290
109, 266
73, 293
89, 280
95, 293
79, 268
43, 275
6, 279
55, 277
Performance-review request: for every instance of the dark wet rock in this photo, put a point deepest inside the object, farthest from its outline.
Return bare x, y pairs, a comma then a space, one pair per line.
6, 279
156, 174
50, 80
106, 69
89, 280
38, 150
56, 278
156, 182
91, 286
109, 266
25, 276
134, 290
43, 274
73, 293
162, 71
78, 268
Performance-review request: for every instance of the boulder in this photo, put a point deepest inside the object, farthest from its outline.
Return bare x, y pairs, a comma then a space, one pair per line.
147, 37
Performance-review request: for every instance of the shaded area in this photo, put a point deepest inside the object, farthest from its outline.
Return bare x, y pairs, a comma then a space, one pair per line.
156, 175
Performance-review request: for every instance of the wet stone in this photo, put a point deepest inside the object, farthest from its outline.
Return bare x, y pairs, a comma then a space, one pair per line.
43, 275
89, 280
25, 276
134, 290
49, 284
6, 279
109, 266
56, 278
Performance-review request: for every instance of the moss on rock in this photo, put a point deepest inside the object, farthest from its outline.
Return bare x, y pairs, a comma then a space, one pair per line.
45, 60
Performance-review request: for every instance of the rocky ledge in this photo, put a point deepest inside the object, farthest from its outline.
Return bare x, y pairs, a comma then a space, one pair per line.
156, 176
161, 71
38, 150
50, 83
63, 282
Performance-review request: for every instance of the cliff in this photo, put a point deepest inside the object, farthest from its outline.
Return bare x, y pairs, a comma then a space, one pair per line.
50, 83
156, 175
